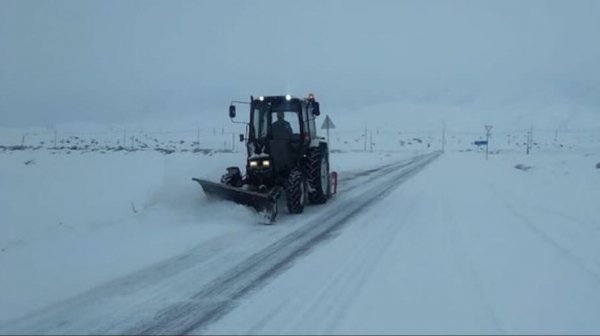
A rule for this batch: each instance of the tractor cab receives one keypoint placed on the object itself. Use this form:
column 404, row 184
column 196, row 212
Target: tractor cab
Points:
column 280, row 131
column 280, row 128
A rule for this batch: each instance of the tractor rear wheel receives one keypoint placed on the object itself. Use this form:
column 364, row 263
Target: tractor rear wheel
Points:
column 318, row 175
column 296, row 192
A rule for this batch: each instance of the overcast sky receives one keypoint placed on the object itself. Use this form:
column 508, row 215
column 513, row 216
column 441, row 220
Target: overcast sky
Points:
column 114, row 61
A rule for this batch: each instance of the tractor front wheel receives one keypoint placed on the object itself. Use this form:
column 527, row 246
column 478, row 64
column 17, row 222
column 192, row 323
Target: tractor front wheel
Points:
column 232, row 178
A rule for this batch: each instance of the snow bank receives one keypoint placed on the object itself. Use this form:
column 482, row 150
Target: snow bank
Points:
column 72, row 221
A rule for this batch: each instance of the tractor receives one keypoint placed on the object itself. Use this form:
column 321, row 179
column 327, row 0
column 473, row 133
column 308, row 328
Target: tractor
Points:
column 285, row 157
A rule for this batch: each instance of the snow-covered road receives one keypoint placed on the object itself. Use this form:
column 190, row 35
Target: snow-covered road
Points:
column 458, row 249
column 196, row 288
column 428, row 244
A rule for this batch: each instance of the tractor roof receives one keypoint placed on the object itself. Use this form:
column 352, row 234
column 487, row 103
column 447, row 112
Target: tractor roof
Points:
column 278, row 99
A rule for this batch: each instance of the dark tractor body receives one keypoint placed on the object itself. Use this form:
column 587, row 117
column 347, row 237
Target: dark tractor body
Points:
column 284, row 157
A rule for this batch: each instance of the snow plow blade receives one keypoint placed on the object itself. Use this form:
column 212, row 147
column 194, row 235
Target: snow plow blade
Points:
column 264, row 203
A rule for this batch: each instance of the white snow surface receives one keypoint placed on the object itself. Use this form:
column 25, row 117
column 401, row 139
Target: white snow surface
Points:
column 464, row 246
column 71, row 222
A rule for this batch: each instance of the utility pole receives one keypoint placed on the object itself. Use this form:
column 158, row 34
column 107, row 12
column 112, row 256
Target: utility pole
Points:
column 488, row 128
column 529, row 140
column 365, row 149
column 371, row 141
column 55, row 138
column 443, row 136
column 124, row 137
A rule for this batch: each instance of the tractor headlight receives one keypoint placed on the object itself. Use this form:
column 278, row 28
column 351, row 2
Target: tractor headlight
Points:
column 266, row 163
column 253, row 163
column 288, row 97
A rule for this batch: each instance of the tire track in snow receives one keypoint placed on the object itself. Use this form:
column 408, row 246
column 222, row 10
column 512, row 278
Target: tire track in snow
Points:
column 378, row 243
column 465, row 263
column 184, row 284
column 545, row 210
column 221, row 295
column 563, row 250
column 338, row 280
column 343, row 286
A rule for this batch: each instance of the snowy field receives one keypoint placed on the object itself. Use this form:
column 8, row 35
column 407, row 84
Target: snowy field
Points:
column 466, row 142
column 508, row 245
column 73, row 221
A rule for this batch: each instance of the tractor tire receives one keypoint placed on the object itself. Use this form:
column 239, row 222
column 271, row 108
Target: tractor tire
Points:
column 227, row 179
column 296, row 192
column 232, row 178
column 318, row 176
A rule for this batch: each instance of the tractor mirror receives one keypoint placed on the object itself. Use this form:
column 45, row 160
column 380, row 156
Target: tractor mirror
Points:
column 241, row 138
column 231, row 111
column 315, row 108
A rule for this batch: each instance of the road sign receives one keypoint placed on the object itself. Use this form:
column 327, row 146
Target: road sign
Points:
column 488, row 128
column 480, row 142
column 327, row 123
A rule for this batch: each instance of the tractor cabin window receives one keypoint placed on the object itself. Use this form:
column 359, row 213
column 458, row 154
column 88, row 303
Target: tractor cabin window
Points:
column 260, row 122
column 285, row 125
column 284, row 121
